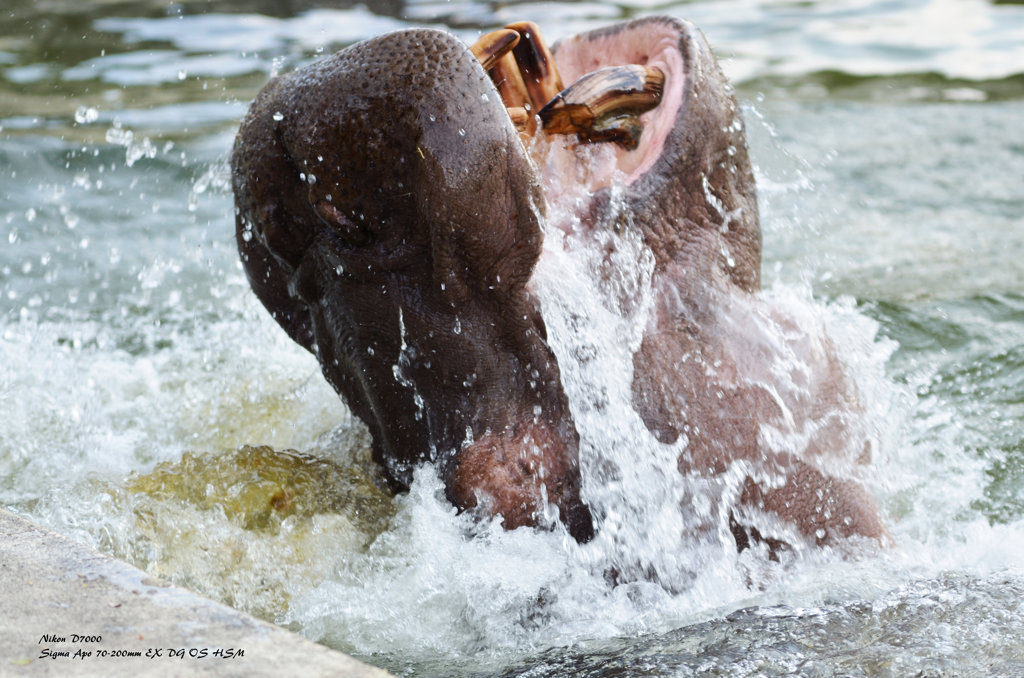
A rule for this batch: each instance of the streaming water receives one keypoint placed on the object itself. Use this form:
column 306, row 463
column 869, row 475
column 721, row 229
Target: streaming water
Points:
column 136, row 367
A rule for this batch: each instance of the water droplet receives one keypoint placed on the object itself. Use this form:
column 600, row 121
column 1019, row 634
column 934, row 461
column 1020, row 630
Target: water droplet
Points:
column 278, row 116
column 275, row 66
column 86, row 114
column 462, row 132
column 729, row 260
column 457, row 328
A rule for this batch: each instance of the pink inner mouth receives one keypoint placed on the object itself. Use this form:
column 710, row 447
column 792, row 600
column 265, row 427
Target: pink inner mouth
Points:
column 571, row 170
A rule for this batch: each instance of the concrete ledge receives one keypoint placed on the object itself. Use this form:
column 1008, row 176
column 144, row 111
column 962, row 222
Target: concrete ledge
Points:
column 66, row 610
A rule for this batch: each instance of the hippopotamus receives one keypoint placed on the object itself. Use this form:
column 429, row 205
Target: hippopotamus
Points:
column 391, row 202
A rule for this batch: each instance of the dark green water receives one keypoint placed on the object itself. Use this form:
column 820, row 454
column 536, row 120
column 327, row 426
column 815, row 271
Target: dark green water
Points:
column 889, row 147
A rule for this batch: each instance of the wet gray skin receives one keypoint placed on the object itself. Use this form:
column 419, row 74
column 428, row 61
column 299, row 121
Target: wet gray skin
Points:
column 401, row 260
column 390, row 220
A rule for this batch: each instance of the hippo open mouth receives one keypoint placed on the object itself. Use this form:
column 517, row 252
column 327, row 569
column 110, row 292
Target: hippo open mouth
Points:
column 390, row 203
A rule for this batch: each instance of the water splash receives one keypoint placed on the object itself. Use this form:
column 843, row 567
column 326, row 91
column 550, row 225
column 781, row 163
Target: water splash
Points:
column 85, row 115
column 216, row 177
column 135, row 149
column 595, row 324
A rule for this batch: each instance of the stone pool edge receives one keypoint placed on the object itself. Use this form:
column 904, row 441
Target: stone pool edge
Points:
column 110, row 618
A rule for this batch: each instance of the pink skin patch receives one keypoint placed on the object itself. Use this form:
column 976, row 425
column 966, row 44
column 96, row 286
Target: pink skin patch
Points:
column 571, row 169
column 510, row 473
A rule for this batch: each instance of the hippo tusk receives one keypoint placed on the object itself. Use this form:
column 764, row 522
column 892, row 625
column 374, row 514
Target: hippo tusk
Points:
column 536, row 63
column 605, row 105
column 512, row 90
column 491, row 47
column 520, row 118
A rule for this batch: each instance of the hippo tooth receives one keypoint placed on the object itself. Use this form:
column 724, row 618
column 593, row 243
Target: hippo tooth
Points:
column 605, row 105
column 509, row 82
column 520, row 118
column 536, row 63
column 491, row 47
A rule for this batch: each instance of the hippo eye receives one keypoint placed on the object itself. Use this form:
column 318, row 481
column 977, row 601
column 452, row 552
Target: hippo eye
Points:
column 352, row 232
column 366, row 244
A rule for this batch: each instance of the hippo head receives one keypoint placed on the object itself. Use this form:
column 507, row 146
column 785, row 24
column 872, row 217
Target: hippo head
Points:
column 390, row 216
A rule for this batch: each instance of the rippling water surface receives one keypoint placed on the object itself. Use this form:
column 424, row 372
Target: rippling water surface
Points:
column 147, row 399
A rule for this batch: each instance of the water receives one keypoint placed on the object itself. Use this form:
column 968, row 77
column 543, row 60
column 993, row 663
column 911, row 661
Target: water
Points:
column 135, row 365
